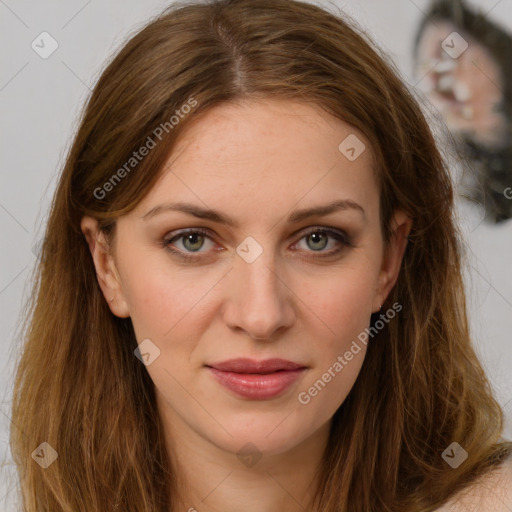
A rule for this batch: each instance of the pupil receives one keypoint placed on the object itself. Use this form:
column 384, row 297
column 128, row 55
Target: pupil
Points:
column 319, row 235
column 193, row 238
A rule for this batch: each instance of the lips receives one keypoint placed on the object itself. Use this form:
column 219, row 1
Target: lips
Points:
column 251, row 366
column 256, row 380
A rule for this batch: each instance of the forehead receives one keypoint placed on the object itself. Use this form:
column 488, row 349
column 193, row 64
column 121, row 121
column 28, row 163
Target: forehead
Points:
column 273, row 153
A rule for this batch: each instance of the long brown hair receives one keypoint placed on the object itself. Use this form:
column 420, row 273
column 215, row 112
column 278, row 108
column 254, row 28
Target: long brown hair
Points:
column 421, row 386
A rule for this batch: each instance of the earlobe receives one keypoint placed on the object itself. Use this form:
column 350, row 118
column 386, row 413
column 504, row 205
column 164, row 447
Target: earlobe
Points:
column 107, row 275
column 401, row 225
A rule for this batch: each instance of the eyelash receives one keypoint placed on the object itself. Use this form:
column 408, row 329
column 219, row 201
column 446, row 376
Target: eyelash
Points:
column 343, row 238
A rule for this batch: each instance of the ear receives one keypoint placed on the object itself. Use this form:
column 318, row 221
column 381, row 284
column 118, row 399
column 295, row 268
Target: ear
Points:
column 401, row 226
column 106, row 271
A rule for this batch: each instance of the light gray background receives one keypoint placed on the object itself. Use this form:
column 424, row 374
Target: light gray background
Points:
column 41, row 99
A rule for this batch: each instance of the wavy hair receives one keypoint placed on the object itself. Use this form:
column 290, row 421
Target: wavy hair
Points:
column 421, row 385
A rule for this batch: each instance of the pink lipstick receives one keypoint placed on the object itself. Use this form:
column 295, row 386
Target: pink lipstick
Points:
column 257, row 380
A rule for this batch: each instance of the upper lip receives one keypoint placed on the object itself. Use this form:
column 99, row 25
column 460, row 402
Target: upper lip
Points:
column 244, row 365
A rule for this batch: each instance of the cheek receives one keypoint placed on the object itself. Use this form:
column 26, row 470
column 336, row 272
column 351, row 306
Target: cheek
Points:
column 344, row 301
column 156, row 299
column 160, row 296
column 338, row 358
column 344, row 305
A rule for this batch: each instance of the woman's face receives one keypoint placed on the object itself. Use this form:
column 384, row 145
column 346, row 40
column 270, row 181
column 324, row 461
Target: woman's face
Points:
column 277, row 272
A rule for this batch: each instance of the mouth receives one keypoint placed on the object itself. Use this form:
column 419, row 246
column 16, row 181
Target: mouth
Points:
column 256, row 380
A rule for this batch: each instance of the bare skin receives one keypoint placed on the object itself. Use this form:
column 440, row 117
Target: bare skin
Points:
column 299, row 299
column 491, row 492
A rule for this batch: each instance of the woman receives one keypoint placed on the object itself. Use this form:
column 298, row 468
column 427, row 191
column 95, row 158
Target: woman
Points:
column 250, row 290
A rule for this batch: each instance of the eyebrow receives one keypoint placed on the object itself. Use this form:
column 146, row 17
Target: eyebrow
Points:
column 216, row 216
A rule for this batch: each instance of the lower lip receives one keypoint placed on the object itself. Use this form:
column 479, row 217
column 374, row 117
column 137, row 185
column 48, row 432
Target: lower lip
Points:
column 257, row 386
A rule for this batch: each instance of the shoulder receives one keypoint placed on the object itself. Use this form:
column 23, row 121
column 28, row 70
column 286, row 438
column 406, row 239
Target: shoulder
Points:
column 493, row 491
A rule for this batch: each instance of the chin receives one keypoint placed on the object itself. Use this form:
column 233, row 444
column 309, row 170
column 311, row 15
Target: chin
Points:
column 269, row 433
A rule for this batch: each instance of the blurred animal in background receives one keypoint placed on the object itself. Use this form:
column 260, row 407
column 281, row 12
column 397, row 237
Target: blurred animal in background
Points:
column 463, row 62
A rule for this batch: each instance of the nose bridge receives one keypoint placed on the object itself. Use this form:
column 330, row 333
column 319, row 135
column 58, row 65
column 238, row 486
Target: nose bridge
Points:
column 261, row 301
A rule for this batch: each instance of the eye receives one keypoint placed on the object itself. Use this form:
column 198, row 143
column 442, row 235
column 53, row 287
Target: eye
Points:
column 316, row 241
column 191, row 240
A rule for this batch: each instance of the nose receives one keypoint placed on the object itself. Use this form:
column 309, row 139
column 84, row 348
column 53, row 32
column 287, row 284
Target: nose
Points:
column 259, row 299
